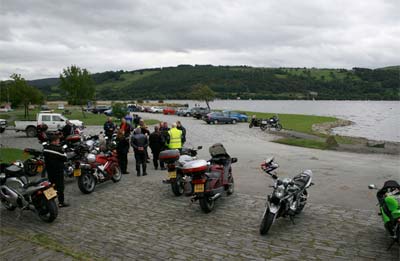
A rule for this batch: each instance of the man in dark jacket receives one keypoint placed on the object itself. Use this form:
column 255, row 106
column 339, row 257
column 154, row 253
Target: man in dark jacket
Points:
column 122, row 150
column 109, row 128
column 164, row 132
column 156, row 144
column 68, row 129
column 55, row 157
column 183, row 129
column 139, row 143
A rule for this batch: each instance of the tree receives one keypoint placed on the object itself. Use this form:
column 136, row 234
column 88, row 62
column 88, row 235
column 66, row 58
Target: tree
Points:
column 78, row 84
column 21, row 93
column 119, row 110
column 202, row 92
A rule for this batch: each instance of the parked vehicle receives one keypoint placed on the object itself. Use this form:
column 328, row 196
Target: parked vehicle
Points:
column 155, row 109
column 54, row 121
column 389, row 208
column 200, row 112
column 169, row 111
column 100, row 109
column 44, row 107
column 60, row 106
column 184, row 112
column 272, row 122
column 239, row 116
column 3, row 125
column 108, row 112
column 219, row 117
column 211, row 179
column 288, row 198
column 175, row 161
column 17, row 192
column 97, row 169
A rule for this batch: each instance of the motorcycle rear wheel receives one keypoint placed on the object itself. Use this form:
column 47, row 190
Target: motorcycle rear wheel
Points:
column 86, row 182
column 302, row 202
column 117, row 174
column 206, row 204
column 231, row 187
column 266, row 223
column 177, row 187
column 251, row 125
column 48, row 210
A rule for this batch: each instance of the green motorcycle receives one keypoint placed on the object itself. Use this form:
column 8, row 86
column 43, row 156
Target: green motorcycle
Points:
column 389, row 205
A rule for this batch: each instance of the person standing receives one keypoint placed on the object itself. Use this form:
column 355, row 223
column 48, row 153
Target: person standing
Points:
column 139, row 143
column 125, row 127
column 68, row 129
column 183, row 129
column 156, row 144
column 175, row 138
column 146, row 132
column 136, row 120
column 54, row 158
column 122, row 151
column 128, row 118
column 109, row 128
column 164, row 132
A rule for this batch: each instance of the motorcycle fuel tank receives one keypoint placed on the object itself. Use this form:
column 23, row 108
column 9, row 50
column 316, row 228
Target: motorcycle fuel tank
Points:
column 195, row 166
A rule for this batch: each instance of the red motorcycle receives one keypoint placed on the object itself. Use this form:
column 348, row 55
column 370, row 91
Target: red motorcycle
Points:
column 211, row 179
column 97, row 169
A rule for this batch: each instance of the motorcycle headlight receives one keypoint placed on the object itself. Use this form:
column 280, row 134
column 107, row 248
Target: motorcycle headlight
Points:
column 279, row 192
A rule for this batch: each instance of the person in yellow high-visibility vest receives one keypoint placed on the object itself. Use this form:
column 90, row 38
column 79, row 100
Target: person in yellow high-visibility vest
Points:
column 175, row 138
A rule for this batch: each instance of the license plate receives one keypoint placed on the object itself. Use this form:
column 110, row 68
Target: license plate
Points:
column 77, row 172
column 172, row 174
column 40, row 168
column 198, row 188
column 264, row 122
column 50, row 193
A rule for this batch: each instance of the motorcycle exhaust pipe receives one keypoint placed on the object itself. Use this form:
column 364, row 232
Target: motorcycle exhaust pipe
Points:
column 216, row 196
column 8, row 194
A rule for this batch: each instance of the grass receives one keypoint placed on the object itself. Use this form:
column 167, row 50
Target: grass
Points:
column 8, row 155
column 303, row 143
column 45, row 241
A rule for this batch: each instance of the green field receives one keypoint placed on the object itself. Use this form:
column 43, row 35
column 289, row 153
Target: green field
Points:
column 8, row 155
column 303, row 143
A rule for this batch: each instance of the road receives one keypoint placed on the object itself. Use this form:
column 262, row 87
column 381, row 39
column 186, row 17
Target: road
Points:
column 139, row 218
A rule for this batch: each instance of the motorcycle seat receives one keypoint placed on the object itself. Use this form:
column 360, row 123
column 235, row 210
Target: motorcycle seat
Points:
column 301, row 180
column 214, row 174
column 34, row 183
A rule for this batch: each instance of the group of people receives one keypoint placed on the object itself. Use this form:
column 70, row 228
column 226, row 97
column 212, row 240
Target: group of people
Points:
column 141, row 139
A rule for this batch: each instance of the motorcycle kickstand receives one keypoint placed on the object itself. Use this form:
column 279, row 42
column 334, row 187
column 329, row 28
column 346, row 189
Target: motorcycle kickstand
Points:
column 292, row 219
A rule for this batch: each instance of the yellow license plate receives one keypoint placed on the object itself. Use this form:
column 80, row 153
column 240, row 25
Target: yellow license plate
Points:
column 40, row 168
column 50, row 193
column 198, row 188
column 172, row 174
column 77, row 172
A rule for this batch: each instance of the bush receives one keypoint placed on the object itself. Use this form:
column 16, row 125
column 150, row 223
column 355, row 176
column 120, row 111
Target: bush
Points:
column 119, row 110
column 331, row 142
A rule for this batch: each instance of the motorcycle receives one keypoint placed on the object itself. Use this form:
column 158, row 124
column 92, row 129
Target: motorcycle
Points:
column 97, row 169
column 17, row 191
column 389, row 208
column 288, row 198
column 35, row 164
column 175, row 161
column 272, row 122
column 209, row 180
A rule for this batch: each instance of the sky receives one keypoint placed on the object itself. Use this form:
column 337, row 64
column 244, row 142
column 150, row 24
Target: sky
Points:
column 40, row 38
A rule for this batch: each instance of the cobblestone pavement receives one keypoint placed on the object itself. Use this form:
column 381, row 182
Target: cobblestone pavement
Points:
column 139, row 218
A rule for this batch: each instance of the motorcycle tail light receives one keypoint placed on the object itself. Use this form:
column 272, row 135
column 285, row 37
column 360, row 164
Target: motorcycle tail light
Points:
column 199, row 181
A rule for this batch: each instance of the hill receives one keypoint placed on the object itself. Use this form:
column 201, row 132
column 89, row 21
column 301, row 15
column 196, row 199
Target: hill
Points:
column 241, row 81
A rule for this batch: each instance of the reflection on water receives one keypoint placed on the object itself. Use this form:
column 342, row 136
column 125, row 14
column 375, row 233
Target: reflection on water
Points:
column 378, row 120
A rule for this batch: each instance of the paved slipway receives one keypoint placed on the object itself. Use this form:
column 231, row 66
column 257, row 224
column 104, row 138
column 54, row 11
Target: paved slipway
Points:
column 139, row 218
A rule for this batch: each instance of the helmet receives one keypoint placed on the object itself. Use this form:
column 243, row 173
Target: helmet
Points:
column 91, row 158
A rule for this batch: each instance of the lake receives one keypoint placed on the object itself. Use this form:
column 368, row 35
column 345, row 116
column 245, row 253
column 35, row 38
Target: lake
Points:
column 378, row 120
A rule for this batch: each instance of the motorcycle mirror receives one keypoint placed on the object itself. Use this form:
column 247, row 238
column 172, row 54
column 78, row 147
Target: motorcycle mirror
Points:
column 199, row 147
column 65, row 146
column 233, row 160
column 372, row 186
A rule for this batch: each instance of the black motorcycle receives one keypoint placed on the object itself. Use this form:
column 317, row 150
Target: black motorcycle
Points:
column 288, row 198
column 272, row 122
column 16, row 191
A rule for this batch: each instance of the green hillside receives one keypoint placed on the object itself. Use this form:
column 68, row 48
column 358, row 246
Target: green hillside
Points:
column 241, row 81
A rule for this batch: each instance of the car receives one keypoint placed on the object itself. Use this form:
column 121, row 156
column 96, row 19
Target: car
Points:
column 218, row 117
column 60, row 106
column 184, row 112
column 108, row 112
column 5, row 109
column 100, row 109
column 239, row 116
column 200, row 112
column 155, row 109
column 44, row 107
column 3, row 125
column 169, row 111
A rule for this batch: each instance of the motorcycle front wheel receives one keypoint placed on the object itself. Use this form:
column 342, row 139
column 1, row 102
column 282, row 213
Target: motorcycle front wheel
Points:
column 266, row 223
column 206, row 204
column 177, row 187
column 278, row 127
column 86, row 182
column 263, row 127
column 251, row 125
column 48, row 210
